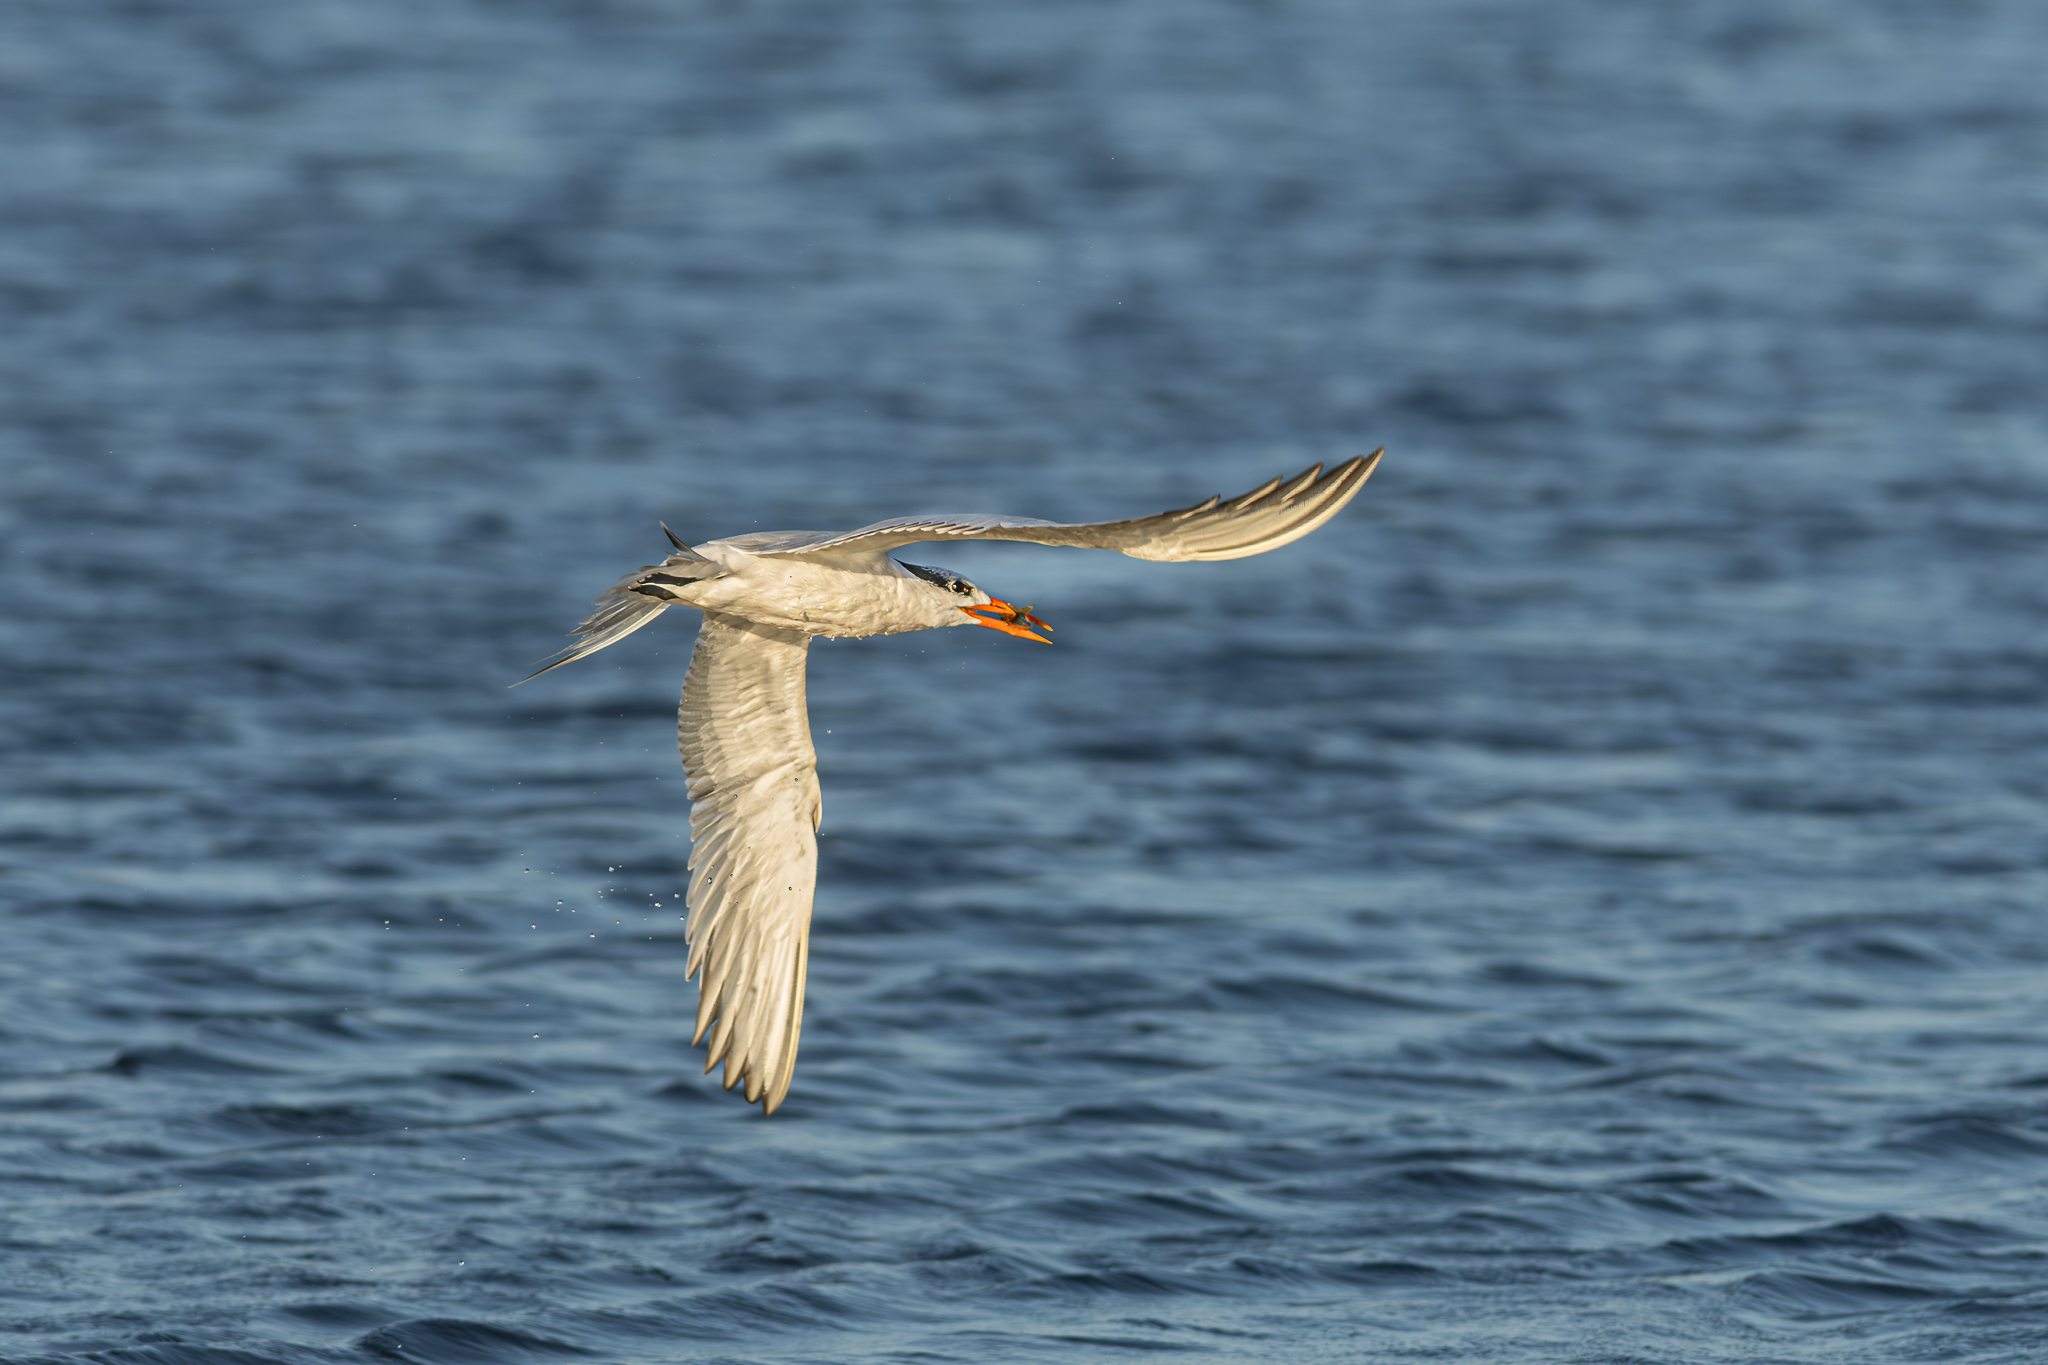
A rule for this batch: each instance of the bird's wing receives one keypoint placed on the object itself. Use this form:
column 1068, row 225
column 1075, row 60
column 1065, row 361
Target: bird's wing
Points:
column 746, row 743
column 1264, row 519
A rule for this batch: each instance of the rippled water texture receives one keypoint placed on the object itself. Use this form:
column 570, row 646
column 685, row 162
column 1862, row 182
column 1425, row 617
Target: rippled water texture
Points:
column 1585, row 904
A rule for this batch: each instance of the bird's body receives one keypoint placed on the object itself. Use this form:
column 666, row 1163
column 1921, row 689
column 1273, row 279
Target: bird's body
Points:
column 841, row 597
column 745, row 734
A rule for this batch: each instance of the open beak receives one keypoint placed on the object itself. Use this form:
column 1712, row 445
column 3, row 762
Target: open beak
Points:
column 1000, row 615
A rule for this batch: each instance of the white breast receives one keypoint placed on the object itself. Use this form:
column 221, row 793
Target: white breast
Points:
column 817, row 599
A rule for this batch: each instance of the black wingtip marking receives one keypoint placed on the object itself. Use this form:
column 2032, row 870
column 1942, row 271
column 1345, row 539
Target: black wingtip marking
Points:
column 674, row 539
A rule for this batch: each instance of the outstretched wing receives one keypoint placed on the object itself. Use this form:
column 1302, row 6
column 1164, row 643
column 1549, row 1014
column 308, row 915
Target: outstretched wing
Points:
column 746, row 742
column 1264, row 519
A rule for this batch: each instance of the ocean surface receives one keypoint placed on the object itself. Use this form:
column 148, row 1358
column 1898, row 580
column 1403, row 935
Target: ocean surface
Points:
column 1588, row 903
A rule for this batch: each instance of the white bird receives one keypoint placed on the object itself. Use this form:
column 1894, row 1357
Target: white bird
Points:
column 745, row 733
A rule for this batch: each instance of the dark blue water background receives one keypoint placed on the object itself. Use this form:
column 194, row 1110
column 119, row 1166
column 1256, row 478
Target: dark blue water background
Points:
column 1584, row 905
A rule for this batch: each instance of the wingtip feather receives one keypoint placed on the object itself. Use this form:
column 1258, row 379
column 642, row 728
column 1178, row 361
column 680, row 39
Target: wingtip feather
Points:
column 1240, row 503
column 1302, row 480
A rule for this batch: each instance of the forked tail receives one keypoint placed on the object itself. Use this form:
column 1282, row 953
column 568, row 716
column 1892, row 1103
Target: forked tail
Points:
column 635, row 600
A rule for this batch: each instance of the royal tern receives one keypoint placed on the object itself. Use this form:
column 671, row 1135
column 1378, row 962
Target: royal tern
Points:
column 745, row 733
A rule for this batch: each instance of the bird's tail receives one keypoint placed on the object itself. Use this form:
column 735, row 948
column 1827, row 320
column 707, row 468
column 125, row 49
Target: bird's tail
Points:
column 635, row 600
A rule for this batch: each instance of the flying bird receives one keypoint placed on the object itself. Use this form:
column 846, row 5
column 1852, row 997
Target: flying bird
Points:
column 745, row 732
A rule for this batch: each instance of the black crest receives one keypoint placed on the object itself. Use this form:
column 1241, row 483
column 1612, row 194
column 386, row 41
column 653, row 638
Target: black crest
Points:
column 945, row 578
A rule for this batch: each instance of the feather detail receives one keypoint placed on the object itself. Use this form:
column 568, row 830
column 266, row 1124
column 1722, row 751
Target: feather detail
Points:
column 746, row 744
column 626, row 606
column 1266, row 518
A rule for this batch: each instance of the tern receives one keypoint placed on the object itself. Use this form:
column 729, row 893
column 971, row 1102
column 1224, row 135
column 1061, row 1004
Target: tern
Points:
column 745, row 732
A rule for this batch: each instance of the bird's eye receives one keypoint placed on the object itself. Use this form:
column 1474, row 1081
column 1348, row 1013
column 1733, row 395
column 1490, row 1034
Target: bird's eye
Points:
column 962, row 586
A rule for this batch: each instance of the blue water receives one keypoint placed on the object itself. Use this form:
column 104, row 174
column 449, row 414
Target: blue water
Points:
column 1586, row 904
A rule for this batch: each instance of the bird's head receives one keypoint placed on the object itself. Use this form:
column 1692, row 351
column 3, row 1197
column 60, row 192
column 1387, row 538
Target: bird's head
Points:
column 952, row 593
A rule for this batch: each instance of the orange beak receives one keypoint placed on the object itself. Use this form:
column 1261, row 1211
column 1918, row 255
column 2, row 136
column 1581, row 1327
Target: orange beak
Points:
column 1000, row 615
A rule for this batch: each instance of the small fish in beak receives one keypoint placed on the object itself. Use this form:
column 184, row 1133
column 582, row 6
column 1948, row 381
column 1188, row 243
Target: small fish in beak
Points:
column 1000, row 615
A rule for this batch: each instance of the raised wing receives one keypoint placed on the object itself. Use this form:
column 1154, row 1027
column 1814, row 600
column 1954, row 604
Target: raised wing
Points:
column 1264, row 519
column 746, row 742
